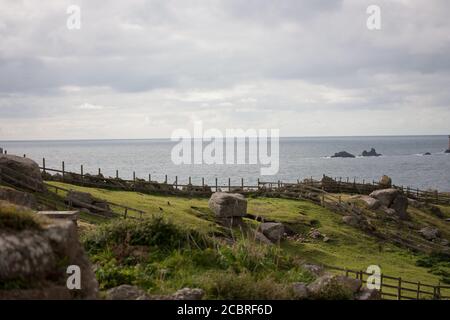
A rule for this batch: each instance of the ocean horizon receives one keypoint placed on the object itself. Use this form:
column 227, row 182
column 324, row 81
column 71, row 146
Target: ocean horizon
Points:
column 402, row 159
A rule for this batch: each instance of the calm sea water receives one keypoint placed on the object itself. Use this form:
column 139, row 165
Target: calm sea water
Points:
column 299, row 158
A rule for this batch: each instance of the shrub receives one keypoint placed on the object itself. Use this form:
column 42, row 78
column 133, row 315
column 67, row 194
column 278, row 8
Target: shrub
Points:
column 18, row 218
column 110, row 275
column 243, row 286
column 155, row 231
column 245, row 255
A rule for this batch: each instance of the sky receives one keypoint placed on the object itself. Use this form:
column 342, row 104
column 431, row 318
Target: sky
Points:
column 142, row 69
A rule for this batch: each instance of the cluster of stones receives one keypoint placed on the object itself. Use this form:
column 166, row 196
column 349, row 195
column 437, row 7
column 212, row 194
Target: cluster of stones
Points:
column 345, row 154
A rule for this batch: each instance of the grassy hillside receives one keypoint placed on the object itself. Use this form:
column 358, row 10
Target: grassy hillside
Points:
column 348, row 247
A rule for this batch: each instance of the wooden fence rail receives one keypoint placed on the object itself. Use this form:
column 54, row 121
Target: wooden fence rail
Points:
column 331, row 185
column 399, row 288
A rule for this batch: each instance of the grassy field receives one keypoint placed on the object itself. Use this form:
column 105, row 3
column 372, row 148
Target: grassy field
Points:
column 348, row 247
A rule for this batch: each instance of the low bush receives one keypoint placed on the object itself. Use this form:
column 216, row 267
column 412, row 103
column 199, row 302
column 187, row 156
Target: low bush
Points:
column 155, row 231
column 18, row 218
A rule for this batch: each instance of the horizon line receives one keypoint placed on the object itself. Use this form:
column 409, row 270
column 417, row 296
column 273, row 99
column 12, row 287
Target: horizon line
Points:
column 281, row 137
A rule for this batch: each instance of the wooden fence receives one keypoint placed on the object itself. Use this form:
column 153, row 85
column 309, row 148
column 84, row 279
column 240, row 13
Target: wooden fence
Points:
column 331, row 185
column 14, row 178
column 398, row 288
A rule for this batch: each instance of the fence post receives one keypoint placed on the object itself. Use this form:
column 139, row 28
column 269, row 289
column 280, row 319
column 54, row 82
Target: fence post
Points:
column 190, row 180
column 242, row 183
column 82, row 173
column 258, row 184
column 165, row 179
column 399, row 289
column 43, row 164
column 229, row 184
column 381, row 286
column 117, row 174
column 134, row 176
column 216, row 185
column 149, row 177
column 418, row 290
column 99, row 171
column 63, row 169
column 203, row 182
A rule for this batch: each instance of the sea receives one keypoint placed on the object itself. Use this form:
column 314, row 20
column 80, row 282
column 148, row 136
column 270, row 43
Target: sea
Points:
column 402, row 159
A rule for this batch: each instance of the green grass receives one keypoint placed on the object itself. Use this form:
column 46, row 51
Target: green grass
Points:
column 18, row 218
column 349, row 247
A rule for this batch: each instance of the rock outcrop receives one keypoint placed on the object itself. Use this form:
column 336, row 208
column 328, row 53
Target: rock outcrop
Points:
column 226, row 205
column 229, row 208
column 274, row 231
column 35, row 254
column 18, row 197
column 85, row 200
column 392, row 201
column 343, row 154
column 21, row 172
column 371, row 153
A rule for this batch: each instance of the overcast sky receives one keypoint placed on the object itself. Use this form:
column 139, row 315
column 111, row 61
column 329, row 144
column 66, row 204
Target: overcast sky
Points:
column 141, row 69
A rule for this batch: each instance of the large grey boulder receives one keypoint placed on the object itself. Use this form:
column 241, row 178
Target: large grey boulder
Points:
column 42, row 254
column 21, row 172
column 385, row 196
column 18, row 197
column 126, row 292
column 274, row 231
column 226, row 205
column 393, row 201
column 25, row 254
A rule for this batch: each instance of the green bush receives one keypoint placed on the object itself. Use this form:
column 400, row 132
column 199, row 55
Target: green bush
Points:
column 18, row 218
column 246, row 255
column 243, row 286
column 438, row 264
column 155, row 231
column 110, row 275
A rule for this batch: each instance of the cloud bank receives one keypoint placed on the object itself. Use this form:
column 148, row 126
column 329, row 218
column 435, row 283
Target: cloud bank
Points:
column 140, row 69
